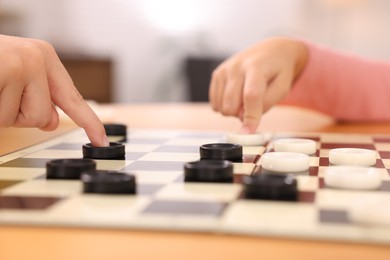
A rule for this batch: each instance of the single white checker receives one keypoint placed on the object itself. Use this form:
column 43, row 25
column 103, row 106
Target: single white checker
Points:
column 370, row 211
column 352, row 177
column 352, row 156
column 20, row 173
column 285, row 162
column 170, row 157
column 55, row 154
column 255, row 139
column 200, row 192
column 45, row 188
column 296, row 145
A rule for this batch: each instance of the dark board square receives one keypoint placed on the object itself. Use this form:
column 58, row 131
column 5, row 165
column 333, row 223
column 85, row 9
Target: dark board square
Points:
column 306, row 196
column 27, row 202
column 384, row 154
column 385, row 186
column 148, row 189
column 26, row 163
column 186, row 207
column 134, row 156
column 347, row 145
column 333, row 216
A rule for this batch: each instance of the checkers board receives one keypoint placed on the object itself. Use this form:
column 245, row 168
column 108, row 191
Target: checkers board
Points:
column 165, row 202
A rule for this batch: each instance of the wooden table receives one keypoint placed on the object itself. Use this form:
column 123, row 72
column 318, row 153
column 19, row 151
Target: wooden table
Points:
column 19, row 242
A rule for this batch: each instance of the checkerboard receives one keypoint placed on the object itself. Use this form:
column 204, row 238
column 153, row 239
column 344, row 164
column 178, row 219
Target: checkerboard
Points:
column 165, row 202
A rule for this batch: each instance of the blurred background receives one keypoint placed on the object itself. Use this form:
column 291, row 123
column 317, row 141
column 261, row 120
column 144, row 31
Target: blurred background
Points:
column 132, row 51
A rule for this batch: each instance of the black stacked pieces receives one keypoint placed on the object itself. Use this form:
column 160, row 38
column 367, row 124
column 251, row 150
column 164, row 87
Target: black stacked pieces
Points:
column 215, row 164
column 116, row 131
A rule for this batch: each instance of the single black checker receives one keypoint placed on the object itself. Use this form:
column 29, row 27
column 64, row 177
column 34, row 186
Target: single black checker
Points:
column 177, row 149
column 333, row 216
column 154, row 166
column 27, row 202
column 185, row 207
column 26, row 163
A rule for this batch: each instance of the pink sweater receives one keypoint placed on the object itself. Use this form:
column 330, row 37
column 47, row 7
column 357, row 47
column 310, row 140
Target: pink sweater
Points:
column 346, row 87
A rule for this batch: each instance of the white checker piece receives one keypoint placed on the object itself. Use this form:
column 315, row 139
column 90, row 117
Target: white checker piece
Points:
column 352, row 177
column 352, row 156
column 296, row 145
column 285, row 162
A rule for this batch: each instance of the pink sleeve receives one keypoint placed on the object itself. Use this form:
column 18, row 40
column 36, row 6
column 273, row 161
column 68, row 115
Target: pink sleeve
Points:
column 343, row 86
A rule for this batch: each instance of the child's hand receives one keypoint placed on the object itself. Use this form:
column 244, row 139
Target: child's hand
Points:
column 32, row 81
column 251, row 82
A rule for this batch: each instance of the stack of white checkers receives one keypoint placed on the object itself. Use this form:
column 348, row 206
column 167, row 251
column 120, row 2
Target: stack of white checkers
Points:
column 349, row 169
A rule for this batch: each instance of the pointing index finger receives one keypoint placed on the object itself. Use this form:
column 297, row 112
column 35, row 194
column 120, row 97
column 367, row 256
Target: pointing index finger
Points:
column 65, row 95
column 253, row 94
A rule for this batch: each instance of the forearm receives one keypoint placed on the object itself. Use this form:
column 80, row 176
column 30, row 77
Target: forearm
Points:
column 343, row 86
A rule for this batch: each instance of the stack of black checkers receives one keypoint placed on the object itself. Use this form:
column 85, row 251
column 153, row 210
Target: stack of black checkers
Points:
column 221, row 151
column 108, row 182
column 271, row 187
column 218, row 171
column 118, row 131
column 116, row 151
column 68, row 169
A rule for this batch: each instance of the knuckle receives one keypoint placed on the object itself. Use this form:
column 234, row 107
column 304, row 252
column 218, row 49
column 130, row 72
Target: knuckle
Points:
column 251, row 94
